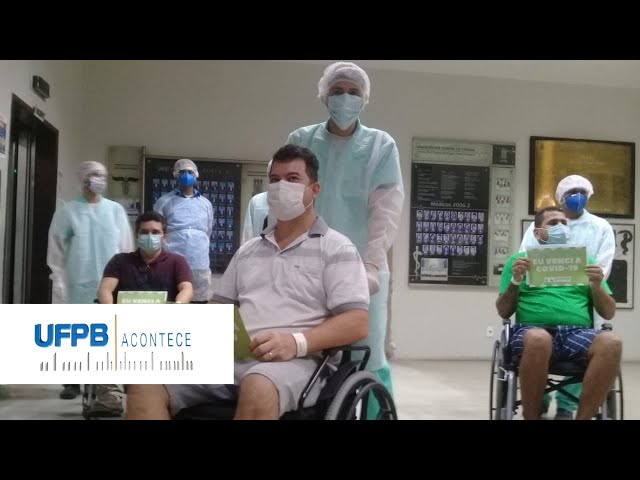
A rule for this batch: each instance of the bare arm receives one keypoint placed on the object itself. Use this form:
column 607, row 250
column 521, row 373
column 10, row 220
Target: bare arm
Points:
column 185, row 292
column 106, row 289
column 506, row 302
column 345, row 328
column 604, row 303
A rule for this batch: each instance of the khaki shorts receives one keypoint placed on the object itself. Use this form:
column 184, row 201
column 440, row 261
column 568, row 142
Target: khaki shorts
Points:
column 290, row 378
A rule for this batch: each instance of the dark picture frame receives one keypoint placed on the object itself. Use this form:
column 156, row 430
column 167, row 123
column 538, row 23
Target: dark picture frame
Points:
column 608, row 165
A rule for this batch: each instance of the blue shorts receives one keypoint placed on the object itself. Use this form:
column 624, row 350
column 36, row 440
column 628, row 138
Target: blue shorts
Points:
column 569, row 344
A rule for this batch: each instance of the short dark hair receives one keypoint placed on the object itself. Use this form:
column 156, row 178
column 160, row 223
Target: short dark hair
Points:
column 151, row 216
column 293, row 152
column 541, row 214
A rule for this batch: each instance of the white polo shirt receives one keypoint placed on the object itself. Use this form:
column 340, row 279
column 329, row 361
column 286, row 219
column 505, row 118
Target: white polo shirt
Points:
column 320, row 274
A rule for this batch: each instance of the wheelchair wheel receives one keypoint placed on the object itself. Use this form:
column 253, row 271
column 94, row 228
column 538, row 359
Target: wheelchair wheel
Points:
column 497, row 386
column 351, row 399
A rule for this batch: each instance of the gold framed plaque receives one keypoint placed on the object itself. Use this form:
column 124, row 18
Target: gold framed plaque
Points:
column 609, row 166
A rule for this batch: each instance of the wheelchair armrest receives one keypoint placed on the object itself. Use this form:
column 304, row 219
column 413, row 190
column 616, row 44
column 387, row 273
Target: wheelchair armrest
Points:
column 346, row 353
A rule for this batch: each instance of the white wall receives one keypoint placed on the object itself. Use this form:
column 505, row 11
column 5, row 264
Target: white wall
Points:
column 244, row 110
column 64, row 110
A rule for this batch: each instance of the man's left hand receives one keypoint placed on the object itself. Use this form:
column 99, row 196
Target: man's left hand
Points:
column 273, row 347
column 594, row 274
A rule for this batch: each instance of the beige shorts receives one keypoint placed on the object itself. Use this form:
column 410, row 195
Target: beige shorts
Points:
column 290, row 378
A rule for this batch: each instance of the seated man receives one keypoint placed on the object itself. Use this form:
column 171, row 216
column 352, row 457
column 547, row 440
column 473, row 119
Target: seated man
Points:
column 149, row 268
column 301, row 288
column 556, row 323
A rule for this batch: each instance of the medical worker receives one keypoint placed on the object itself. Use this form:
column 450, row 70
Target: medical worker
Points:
column 190, row 222
column 84, row 234
column 362, row 190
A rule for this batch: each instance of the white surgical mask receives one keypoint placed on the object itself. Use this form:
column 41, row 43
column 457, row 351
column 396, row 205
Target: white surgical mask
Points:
column 286, row 200
column 97, row 185
column 344, row 109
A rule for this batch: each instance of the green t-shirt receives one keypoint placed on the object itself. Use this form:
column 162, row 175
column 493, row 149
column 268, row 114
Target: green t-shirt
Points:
column 551, row 306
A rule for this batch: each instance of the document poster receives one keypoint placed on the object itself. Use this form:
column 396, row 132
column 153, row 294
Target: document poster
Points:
column 449, row 219
column 556, row 266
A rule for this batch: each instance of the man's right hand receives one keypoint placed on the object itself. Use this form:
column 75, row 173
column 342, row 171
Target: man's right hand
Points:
column 594, row 274
column 519, row 269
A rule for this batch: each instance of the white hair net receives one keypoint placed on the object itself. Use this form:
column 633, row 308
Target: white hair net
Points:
column 570, row 182
column 184, row 164
column 344, row 71
column 89, row 168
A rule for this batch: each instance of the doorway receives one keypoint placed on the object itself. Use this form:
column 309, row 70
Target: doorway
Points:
column 32, row 170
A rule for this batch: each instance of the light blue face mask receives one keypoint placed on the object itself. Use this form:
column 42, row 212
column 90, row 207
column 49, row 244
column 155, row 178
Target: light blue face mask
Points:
column 558, row 234
column 344, row 109
column 149, row 242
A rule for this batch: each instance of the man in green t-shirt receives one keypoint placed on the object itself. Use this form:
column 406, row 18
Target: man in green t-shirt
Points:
column 557, row 323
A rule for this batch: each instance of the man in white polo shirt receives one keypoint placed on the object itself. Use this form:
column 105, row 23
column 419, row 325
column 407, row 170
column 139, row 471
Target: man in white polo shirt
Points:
column 301, row 288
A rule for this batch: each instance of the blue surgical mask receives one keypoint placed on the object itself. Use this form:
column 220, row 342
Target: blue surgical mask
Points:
column 149, row 242
column 186, row 179
column 344, row 109
column 576, row 202
column 558, row 235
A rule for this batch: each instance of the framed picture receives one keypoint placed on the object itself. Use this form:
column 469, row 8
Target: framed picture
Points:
column 609, row 166
column 525, row 227
column 621, row 278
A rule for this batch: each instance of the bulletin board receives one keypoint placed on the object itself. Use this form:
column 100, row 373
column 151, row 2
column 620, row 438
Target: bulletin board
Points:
column 461, row 211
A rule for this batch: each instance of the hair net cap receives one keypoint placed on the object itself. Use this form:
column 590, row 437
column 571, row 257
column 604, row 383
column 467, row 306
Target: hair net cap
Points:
column 571, row 182
column 184, row 164
column 344, row 71
column 91, row 168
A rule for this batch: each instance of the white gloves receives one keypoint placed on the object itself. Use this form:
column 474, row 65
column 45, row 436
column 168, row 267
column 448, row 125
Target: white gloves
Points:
column 372, row 278
column 58, row 290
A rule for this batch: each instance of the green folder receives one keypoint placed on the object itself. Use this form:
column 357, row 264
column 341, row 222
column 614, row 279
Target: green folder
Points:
column 557, row 266
column 142, row 297
column 241, row 337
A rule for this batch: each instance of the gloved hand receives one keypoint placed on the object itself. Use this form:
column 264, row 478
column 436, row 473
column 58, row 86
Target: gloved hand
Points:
column 372, row 278
column 58, row 291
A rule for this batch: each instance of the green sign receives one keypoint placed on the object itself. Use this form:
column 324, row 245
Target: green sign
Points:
column 142, row 297
column 241, row 337
column 557, row 266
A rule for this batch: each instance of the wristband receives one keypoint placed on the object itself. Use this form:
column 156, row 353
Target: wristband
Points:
column 301, row 344
column 514, row 282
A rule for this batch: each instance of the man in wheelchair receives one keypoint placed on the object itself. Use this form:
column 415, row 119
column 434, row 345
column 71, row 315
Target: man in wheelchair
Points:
column 555, row 324
column 301, row 288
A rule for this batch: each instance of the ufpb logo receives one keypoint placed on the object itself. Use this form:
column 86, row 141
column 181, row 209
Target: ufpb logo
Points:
column 120, row 344
column 55, row 334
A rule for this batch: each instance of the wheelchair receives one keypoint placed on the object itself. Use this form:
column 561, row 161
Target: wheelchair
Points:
column 503, row 393
column 345, row 396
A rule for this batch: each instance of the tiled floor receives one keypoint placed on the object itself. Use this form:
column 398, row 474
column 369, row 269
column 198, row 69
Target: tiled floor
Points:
column 424, row 390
